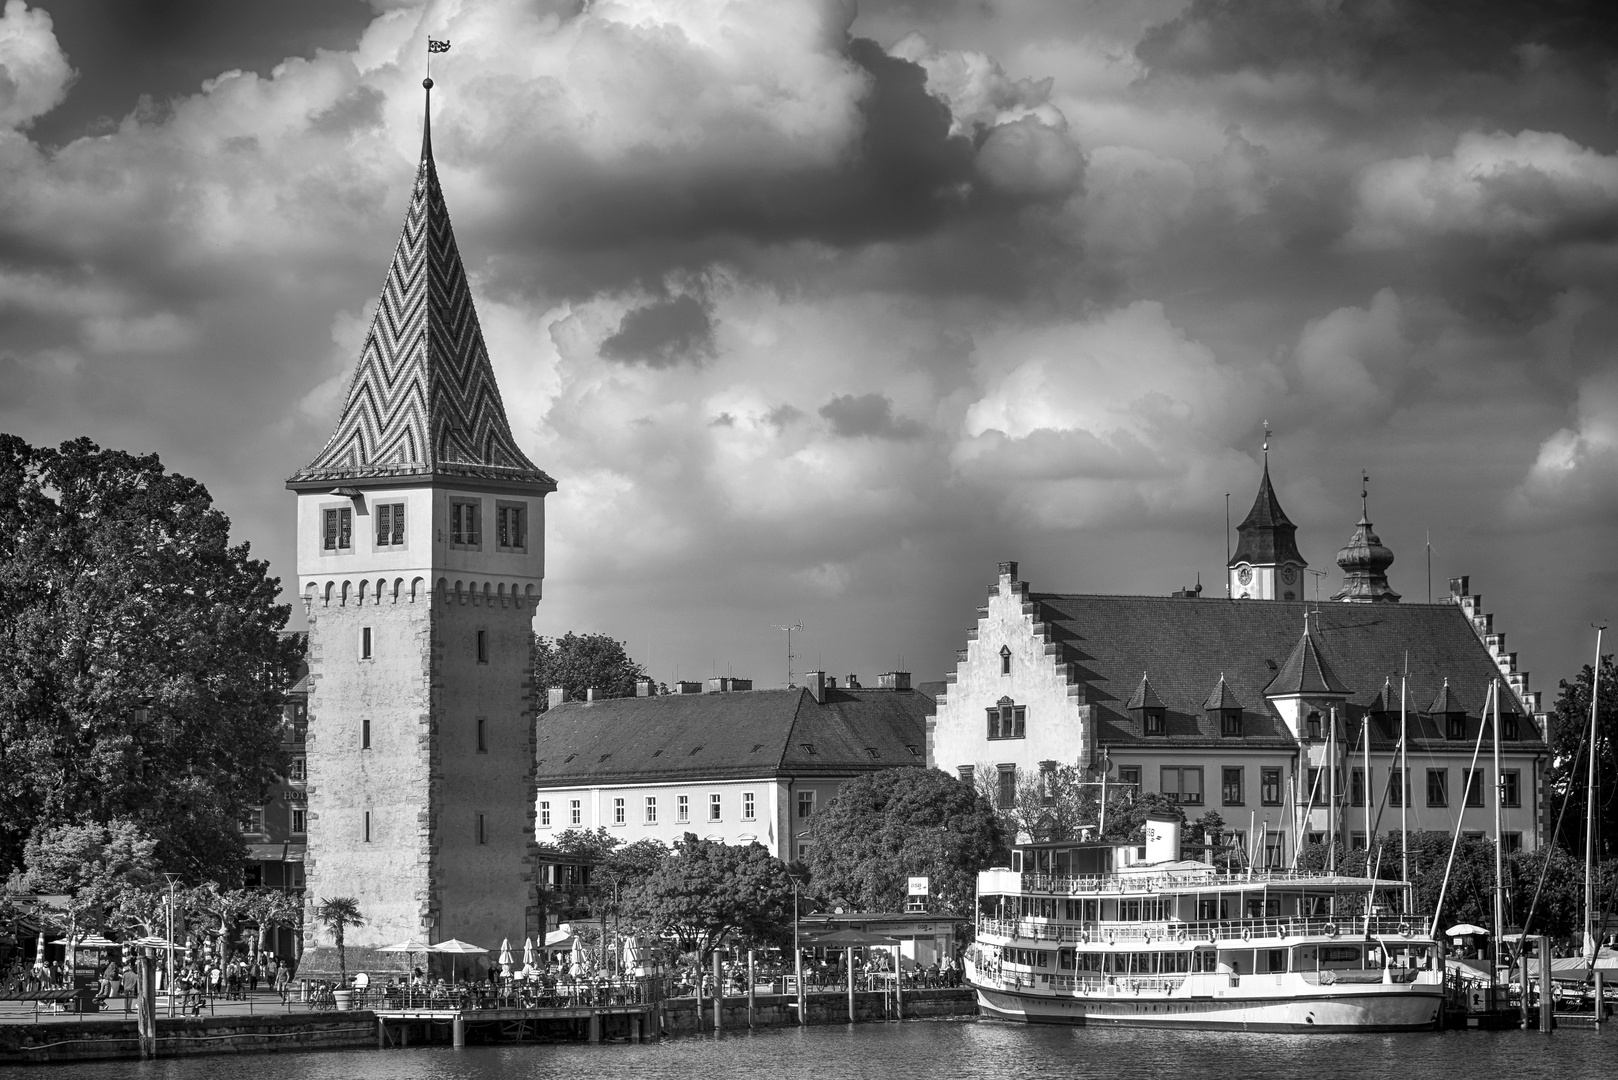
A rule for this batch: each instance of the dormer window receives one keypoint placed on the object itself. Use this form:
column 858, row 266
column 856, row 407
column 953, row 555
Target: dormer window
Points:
column 1007, row 720
column 1508, row 726
column 1154, row 721
column 1225, row 709
column 1005, row 660
column 1454, row 725
column 1230, row 723
column 1148, row 709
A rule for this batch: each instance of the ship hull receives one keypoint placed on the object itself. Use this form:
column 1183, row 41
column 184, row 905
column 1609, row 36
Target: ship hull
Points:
column 1404, row 1009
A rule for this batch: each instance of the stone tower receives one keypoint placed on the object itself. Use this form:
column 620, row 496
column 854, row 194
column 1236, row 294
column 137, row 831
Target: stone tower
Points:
column 421, row 554
column 1266, row 564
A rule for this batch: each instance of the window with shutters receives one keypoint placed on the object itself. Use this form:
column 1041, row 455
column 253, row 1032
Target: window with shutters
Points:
column 510, row 527
column 337, row 530
column 390, row 524
column 466, row 523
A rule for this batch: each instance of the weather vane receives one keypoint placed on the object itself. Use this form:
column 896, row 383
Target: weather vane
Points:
column 434, row 46
column 1266, row 438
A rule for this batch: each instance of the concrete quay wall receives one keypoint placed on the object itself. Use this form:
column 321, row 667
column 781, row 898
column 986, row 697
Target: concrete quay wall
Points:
column 96, row 1040
column 778, row 1010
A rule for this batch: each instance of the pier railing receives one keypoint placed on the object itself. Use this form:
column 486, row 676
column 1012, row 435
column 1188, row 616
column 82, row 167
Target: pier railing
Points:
column 1152, row 933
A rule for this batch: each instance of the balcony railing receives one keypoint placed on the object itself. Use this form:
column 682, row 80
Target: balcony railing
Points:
column 1062, row 885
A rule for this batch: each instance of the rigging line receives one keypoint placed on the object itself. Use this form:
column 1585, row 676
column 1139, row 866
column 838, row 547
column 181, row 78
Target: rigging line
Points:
column 1443, row 889
column 1567, row 794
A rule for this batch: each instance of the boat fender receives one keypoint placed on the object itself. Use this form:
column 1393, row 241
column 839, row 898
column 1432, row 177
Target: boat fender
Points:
column 1180, row 937
column 1112, row 939
column 1084, row 937
column 1404, row 929
column 1327, row 978
column 1331, row 930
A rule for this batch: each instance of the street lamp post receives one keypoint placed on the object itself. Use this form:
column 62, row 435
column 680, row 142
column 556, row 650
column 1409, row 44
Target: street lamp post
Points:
column 169, row 979
column 797, row 953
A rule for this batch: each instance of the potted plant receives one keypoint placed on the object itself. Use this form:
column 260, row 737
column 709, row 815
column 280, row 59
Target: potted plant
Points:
column 337, row 914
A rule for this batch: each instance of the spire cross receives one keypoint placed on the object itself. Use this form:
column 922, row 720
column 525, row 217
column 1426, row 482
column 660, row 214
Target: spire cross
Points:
column 1266, row 439
column 1365, row 494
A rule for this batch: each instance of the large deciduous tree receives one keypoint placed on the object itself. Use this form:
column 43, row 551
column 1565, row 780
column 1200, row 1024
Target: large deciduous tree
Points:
column 581, row 662
column 707, row 895
column 886, row 827
column 1567, row 776
column 142, row 668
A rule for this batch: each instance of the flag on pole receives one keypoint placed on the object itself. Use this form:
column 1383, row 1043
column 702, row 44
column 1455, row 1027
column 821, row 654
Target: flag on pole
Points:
column 437, row 46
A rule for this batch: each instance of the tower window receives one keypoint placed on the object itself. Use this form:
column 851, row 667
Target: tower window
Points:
column 367, row 826
column 575, row 813
column 483, row 646
column 365, row 643
column 510, row 527
column 390, row 521
column 338, row 534
column 483, row 734
column 1314, row 725
column 365, row 733
column 466, row 523
column 483, row 829
column 1005, row 660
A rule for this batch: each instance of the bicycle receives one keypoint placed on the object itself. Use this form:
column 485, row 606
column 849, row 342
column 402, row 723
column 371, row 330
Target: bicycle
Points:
column 322, row 999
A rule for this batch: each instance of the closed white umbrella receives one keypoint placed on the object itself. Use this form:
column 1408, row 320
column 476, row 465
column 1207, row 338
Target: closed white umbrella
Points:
column 506, row 963
column 528, row 953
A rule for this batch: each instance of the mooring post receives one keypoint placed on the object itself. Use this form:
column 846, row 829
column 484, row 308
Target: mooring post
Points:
column 718, row 992
column 1601, row 999
column 146, row 1019
column 1547, row 1014
column 595, row 1026
column 458, row 1030
column 381, row 1034
column 851, row 984
column 899, row 981
column 751, row 983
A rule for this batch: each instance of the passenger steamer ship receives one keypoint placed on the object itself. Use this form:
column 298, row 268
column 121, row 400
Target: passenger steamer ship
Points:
column 1071, row 935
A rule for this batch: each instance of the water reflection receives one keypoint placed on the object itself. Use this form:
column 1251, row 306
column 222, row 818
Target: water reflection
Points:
column 924, row 1050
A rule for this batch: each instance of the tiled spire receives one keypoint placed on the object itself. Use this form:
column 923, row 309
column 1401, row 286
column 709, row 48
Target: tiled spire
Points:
column 1266, row 535
column 423, row 402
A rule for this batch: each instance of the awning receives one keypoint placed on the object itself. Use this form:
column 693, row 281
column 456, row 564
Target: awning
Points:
column 283, row 853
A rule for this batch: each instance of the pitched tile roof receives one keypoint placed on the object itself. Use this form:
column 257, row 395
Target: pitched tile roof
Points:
column 1221, row 698
column 1447, row 701
column 752, row 733
column 1187, row 644
column 1144, row 696
column 423, row 401
column 1306, row 671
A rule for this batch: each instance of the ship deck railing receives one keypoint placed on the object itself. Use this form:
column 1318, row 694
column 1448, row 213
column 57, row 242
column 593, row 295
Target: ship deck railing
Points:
column 1188, row 880
column 1172, row 932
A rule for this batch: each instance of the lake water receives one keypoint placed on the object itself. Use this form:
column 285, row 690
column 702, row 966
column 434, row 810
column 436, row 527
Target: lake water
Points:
column 923, row 1050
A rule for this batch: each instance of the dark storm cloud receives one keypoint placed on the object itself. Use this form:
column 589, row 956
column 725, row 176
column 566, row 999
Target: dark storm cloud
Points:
column 662, row 334
column 126, row 49
column 867, row 416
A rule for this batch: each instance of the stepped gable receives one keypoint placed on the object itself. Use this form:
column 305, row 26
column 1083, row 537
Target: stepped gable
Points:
column 1188, row 644
column 1222, row 697
column 1266, row 536
column 423, row 401
column 1306, row 671
column 738, row 734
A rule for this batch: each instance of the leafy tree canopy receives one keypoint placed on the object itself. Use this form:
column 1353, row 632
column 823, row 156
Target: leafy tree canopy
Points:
column 885, row 827
column 142, row 671
column 91, row 864
column 581, row 662
column 707, row 895
column 1568, row 771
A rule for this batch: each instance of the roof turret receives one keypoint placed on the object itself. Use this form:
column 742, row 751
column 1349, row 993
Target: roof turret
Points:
column 1365, row 562
column 1306, row 672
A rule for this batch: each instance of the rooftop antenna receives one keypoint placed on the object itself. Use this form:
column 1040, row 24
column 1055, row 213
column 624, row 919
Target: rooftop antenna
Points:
column 1429, row 566
column 1227, row 545
column 798, row 627
column 1318, row 575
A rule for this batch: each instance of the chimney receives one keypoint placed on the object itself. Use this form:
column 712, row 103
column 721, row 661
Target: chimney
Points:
column 893, row 680
column 852, row 683
column 815, row 682
column 685, row 686
column 593, row 694
column 1008, row 573
column 741, row 684
column 645, row 688
column 557, row 696
column 831, row 682
column 1162, row 838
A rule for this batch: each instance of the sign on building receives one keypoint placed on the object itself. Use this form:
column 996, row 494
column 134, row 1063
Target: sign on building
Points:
column 918, row 886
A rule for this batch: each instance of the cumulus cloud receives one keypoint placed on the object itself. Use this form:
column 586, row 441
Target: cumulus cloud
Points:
column 867, row 416
column 1575, row 476
column 34, row 74
column 1350, row 362
column 662, row 333
column 1530, row 186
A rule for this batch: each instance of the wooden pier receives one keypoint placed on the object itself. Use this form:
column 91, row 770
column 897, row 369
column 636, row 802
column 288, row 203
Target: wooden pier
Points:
column 399, row 1027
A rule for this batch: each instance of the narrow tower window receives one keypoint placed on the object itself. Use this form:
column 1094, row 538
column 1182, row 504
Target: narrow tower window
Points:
column 365, row 643
column 510, row 527
column 465, row 523
column 483, row 646
column 483, row 734
column 483, row 829
column 1005, row 660
column 365, row 733
column 367, row 826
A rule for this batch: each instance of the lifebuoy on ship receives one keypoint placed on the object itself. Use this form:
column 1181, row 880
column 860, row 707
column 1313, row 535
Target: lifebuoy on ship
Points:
column 1180, row 937
column 1404, row 929
column 1331, row 930
column 1247, row 934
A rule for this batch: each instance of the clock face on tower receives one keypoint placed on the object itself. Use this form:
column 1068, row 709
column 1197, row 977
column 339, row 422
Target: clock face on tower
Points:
column 1244, row 574
column 1289, row 574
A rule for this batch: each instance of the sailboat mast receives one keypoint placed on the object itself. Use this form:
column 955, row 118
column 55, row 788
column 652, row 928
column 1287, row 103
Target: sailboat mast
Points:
column 1404, row 789
column 1331, row 792
column 1365, row 787
column 1499, row 858
column 1590, row 812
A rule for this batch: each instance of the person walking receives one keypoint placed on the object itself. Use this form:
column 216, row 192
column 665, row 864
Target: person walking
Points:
column 131, row 983
column 283, row 979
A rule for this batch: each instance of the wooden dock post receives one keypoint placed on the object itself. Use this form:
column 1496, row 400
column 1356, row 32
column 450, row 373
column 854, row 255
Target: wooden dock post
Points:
column 1601, row 997
column 381, row 1034
column 718, row 992
column 851, row 984
column 752, row 983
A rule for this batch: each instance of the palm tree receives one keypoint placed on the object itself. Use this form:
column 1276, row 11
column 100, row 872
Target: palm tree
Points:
column 337, row 914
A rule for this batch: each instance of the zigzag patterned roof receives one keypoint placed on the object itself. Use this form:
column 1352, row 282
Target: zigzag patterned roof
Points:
column 423, row 400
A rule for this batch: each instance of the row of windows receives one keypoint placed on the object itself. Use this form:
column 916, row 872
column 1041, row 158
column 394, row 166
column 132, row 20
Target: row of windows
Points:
column 1183, row 783
column 253, row 821
column 480, row 644
column 480, row 731
column 465, row 526
column 682, row 809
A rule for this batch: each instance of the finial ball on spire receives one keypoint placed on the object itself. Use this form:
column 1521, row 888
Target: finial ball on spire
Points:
column 427, row 83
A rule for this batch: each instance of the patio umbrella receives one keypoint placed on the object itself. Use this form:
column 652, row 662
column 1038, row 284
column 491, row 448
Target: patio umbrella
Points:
column 1463, row 929
column 506, row 963
column 844, row 939
column 632, row 956
column 577, row 956
column 456, row 947
column 528, row 953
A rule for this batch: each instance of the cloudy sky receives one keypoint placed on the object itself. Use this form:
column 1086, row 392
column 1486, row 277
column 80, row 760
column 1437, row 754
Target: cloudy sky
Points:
column 818, row 311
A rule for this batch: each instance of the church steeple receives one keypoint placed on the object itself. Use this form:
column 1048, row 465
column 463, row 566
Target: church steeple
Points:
column 1365, row 561
column 423, row 403
column 1266, row 564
